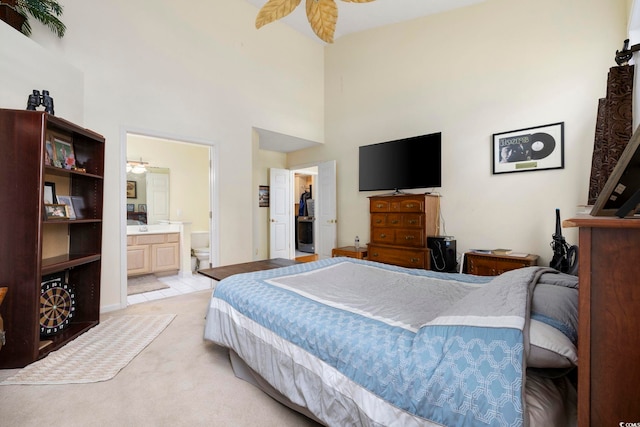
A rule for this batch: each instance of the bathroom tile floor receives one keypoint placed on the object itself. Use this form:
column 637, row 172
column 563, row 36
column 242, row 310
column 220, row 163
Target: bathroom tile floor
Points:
column 177, row 286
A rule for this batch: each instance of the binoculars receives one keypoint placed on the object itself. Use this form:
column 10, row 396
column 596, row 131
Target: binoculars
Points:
column 35, row 99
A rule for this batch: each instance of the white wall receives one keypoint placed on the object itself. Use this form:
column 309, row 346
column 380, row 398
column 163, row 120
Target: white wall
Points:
column 497, row 66
column 25, row 66
column 201, row 72
column 263, row 162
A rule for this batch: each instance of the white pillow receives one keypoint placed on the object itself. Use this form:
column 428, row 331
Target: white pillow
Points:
column 550, row 348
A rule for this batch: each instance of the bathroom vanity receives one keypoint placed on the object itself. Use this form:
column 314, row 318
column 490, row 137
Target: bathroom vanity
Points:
column 153, row 252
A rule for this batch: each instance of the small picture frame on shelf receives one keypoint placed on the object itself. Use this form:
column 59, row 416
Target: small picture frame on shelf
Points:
column 142, row 207
column 78, row 206
column 131, row 207
column 66, row 200
column 55, row 211
column 132, row 192
column 64, row 156
column 50, row 193
column 48, row 153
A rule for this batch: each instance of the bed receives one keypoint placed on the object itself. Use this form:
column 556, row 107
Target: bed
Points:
column 354, row 342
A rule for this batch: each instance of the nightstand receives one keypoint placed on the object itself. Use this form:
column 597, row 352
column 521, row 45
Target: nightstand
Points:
column 350, row 251
column 493, row 265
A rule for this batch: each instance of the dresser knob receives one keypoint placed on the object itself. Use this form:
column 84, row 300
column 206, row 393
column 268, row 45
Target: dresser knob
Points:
column 374, row 254
column 414, row 260
column 409, row 237
column 382, row 236
column 395, row 221
column 412, row 221
column 379, row 205
column 410, row 205
column 378, row 221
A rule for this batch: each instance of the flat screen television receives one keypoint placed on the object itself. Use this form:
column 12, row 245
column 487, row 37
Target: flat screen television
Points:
column 401, row 164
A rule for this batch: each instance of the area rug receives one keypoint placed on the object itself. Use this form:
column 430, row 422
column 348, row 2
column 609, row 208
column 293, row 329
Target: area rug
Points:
column 142, row 284
column 98, row 354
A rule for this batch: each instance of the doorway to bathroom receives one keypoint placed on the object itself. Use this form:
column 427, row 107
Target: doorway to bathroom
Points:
column 170, row 187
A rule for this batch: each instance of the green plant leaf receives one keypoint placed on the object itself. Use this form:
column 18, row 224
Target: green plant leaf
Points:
column 45, row 11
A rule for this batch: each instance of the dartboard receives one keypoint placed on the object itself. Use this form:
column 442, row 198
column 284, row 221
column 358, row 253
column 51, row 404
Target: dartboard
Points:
column 57, row 306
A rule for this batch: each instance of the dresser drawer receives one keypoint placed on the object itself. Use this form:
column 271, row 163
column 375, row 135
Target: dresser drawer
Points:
column 379, row 220
column 383, row 235
column 408, row 205
column 413, row 220
column 412, row 258
column 379, row 205
column 409, row 237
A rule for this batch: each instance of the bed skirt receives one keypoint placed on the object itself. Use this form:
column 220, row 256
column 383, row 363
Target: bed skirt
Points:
column 546, row 399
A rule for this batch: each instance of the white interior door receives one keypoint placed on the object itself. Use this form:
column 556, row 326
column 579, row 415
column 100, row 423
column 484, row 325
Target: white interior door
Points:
column 326, row 211
column 157, row 197
column 280, row 213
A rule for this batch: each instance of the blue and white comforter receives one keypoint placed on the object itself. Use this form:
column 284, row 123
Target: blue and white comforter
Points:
column 362, row 343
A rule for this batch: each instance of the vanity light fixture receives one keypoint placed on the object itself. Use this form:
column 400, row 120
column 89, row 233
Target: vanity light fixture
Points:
column 136, row 167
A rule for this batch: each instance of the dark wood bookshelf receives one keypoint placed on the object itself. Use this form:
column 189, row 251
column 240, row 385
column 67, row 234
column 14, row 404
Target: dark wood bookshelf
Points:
column 34, row 248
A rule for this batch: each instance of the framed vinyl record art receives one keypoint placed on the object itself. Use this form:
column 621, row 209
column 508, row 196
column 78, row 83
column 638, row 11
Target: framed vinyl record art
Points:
column 529, row 149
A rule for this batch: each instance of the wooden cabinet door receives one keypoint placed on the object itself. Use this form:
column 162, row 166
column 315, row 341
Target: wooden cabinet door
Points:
column 138, row 260
column 165, row 257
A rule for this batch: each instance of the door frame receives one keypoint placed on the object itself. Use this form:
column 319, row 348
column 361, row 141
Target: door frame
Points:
column 316, row 230
column 214, row 214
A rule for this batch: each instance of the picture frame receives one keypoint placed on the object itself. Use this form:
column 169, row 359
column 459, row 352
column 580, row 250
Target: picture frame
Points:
column 66, row 200
column 49, row 155
column 263, row 196
column 620, row 195
column 529, row 149
column 142, row 207
column 131, row 207
column 63, row 154
column 49, row 193
column 78, row 207
column 132, row 190
column 55, row 211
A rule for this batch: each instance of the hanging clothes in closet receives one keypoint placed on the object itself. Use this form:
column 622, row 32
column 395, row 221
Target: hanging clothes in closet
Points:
column 303, row 209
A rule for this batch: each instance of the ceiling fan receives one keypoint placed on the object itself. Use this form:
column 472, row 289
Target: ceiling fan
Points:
column 322, row 14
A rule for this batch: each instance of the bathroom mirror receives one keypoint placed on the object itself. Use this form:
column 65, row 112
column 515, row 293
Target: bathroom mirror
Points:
column 148, row 196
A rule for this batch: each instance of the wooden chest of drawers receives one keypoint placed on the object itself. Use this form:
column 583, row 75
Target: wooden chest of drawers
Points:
column 400, row 225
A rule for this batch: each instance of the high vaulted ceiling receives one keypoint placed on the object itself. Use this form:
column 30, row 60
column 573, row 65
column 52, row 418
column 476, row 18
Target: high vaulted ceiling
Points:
column 355, row 17
column 352, row 18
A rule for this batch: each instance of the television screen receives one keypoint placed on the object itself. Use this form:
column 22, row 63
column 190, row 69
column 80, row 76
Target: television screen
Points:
column 402, row 164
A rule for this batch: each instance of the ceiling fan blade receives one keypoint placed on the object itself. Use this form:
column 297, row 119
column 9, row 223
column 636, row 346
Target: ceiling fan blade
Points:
column 322, row 15
column 274, row 10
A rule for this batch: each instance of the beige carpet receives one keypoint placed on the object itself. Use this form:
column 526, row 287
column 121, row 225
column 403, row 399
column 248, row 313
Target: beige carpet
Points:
column 142, row 284
column 97, row 355
column 179, row 380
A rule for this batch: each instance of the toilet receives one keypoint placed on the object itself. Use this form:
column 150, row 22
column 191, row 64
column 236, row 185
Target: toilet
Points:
column 200, row 248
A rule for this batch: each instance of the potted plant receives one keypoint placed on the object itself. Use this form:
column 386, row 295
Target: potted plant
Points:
column 16, row 13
